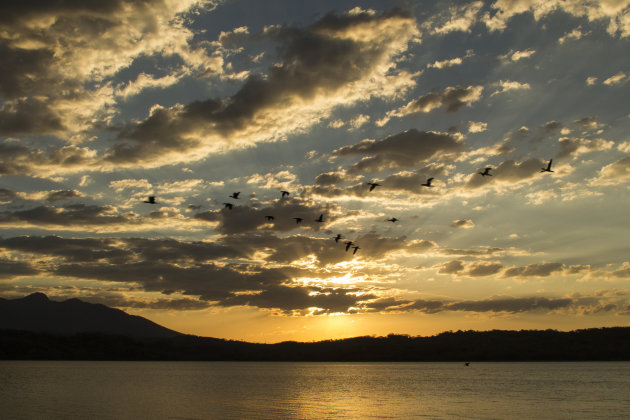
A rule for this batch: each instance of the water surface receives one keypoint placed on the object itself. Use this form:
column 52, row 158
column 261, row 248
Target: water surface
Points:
column 267, row 390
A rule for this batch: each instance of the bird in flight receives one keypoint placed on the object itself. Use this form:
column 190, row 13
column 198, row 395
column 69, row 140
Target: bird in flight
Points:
column 320, row 219
column 270, row 218
column 348, row 245
column 428, row 183
column 393, row 220
column 297, row 220
column 356, row 248
column 228, row 205
column 151, row 200
column 336, row 238
column 373, row 185
column 548, row 168
column 486, row 172
column 235, row 195
column 285, row 193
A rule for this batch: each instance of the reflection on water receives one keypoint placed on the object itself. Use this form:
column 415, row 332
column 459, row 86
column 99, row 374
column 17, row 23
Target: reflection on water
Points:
column 224, row 390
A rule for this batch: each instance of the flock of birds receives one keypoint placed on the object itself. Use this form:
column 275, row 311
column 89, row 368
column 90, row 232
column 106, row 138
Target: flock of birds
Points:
column 320, row 219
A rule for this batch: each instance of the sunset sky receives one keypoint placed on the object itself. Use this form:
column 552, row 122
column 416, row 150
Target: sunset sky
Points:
column 103, row 104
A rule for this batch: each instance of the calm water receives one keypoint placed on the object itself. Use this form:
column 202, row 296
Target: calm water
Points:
column 225, row 390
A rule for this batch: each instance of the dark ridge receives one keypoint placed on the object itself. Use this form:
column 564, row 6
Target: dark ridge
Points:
column 37, row 313
column 36, row 328
column 597, row 344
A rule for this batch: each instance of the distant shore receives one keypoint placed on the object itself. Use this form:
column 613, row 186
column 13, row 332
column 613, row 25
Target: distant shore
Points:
column 605, row 344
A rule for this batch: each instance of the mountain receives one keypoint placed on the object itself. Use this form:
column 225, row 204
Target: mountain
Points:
column 37, row 313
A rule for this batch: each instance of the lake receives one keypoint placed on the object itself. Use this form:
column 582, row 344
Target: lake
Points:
column 270, row 390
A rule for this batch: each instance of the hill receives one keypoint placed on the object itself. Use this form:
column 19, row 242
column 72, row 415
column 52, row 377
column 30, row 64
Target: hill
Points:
column 37, row 313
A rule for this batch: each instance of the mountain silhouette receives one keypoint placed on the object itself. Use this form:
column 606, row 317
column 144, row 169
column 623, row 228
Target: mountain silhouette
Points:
column 37, row 313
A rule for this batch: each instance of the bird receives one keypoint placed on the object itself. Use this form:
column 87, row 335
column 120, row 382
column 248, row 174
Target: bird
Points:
column 297, row 220
column 393, row 220
column 270, row 218
column 428, row 183
column 336, row 238
column 235, row 195
column 356, row 248
column 548, row 168
column 320, row 219
column 348, row 245
column 284, row 193
column 373, row 185
column 228, row 205
column 486, row 172
column 151, row 200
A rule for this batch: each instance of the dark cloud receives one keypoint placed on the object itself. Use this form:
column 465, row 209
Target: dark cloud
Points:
column 478, row 269
column 18, row 159
column 10, row 269
column 292, row 298
column 462, row 223
column 451, row 267
column 25, row 116
column 123, row 250
column 6, row 194
column 72, row 215
column 513, row 305
column 402, row 150
column 62, row 195
column 539, row 270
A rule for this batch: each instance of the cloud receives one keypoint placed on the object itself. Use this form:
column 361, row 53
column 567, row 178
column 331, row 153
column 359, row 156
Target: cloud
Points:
column 452, row 99
column 574, row 147
column 463, row 223
column 537, row 270
column 613, row 11
column 62, row 195
column 509, row 85
column 401, row 150
column 616, row 79
column 56, row 57
column 451, row 267
column 11, row 269
column 613, row 172
column 75, row 216
column 23, row 160
column 518, row 55
column 338, row 60
column 455, row 18
column 477, row 126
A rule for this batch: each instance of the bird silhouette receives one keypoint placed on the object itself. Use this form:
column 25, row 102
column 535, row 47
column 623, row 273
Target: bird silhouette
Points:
column 356, row 248
column 428, row 183
column 373, row 185
column 297, row 220
column 235, row 195
column 320, row 219
column 336, row 238
column 151, row 200
column 548, row 168
column 486, row 172
column 348, row 245
column 270, row 218
column 285, row 193
column 393, row 220
column 228, row 205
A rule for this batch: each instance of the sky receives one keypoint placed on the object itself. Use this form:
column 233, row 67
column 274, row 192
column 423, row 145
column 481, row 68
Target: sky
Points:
column 104, row 104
